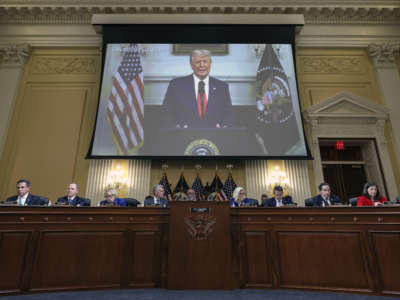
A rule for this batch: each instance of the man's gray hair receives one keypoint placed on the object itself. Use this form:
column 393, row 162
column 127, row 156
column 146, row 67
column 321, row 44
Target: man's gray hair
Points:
column 156, row 188
column 200, row 53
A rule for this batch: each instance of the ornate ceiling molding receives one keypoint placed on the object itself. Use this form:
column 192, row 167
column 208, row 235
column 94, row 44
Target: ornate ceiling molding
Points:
column 315, row 12
column 15, row 54
column 384, row 54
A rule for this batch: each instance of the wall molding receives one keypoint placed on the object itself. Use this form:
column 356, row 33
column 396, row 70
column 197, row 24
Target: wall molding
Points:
column 315, row 12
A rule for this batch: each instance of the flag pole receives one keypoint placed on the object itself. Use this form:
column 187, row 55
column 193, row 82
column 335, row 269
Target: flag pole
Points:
column 230, row 167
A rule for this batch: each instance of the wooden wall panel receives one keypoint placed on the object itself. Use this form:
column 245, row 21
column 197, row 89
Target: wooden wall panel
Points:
column 199, row 262
column 73, row 259
column 387, row 251
column 258, row 247
column 322, row 259
column 146, row 254
column 13, row 253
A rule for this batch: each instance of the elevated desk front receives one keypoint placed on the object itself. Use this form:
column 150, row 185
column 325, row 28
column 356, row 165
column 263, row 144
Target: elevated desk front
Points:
column 354, row 249
column 66, row 248
column 63, row 248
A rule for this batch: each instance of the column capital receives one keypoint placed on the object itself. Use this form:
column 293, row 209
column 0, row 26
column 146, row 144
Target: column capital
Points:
column 384, row 54
column 14, row 55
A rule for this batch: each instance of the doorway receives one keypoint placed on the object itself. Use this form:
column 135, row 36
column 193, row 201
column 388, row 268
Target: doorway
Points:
column 348, row 169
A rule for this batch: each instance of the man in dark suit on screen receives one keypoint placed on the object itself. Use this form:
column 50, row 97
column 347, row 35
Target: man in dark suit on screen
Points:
column 24, row 197
column 197, row 100
column 72, row 197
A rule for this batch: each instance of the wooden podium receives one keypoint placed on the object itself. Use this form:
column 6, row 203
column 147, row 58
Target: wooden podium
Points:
column 199, row 246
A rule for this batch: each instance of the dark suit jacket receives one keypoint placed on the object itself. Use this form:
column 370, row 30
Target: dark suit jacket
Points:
column 180, row 104
column 271, row 202
column 31, row 200
column 78, row 201
column 150, row 202
column 317, row 200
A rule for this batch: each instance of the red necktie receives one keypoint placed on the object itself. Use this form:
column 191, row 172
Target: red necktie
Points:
column 201, row 99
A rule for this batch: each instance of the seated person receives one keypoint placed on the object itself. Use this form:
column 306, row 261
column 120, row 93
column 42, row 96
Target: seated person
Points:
column 72, row 197
column 111, row 199
column 239, row 198
column 370, row 196
column 179, row 196
column 24, row 197
column 278, row 200
column 264, row 198
column 325, row 198
column 158, row 198
column 191, row 195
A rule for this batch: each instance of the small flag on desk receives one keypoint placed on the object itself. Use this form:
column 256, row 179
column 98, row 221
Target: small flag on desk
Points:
column 167, row 189
column 125, row 107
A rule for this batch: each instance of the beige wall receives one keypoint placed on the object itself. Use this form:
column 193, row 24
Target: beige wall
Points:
column 54, row 114
column 324, row 72
column 52, row 122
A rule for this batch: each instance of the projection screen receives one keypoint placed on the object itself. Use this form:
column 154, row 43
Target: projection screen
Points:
column 198, row 99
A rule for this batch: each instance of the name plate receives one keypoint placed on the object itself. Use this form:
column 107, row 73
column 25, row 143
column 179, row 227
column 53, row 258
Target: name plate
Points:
column 200, row 210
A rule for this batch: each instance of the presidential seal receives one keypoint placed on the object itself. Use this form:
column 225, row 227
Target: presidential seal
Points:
column 202, row 147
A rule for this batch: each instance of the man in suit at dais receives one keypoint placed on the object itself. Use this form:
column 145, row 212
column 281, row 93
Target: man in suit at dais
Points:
column 24, row 197
column 72, row 197
column 158, row 198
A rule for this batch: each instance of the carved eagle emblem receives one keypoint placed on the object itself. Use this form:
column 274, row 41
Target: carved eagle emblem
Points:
column 199, row 228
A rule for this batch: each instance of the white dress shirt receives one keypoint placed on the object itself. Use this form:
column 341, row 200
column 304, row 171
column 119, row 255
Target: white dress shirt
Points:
column 22, row 199
column 206, row 85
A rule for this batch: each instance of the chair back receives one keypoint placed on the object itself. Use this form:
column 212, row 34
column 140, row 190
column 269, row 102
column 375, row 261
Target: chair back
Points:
column 132, row 202
column 353, row 201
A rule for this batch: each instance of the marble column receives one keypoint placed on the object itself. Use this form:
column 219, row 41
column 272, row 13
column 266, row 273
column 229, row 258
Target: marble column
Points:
column 12, row 62
column 388, row 77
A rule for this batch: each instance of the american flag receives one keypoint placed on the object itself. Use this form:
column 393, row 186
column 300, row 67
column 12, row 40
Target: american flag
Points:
column 216, row 184
column 167, row 189
column 198, row 188
column 125, row 111
column 221, row 196
column 229, row 186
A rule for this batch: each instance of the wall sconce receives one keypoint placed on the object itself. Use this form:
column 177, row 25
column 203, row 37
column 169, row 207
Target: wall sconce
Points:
column 278, row 177
column 117, row 179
